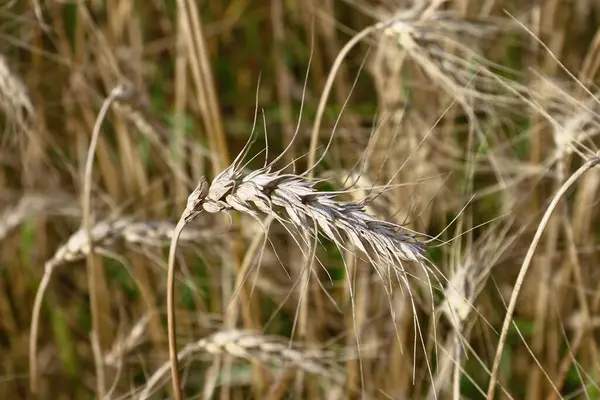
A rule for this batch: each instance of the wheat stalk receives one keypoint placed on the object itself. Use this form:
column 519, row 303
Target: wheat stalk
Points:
column 253, row 346
column 588, row 165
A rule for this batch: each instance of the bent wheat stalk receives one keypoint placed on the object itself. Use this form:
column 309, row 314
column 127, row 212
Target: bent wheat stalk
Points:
column 589, row 164
column 295, row 201
column 94, row 271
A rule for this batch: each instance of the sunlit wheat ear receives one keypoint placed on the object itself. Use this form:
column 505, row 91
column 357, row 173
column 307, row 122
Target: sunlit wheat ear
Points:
column 294, row 201
column 104, row 234
column 253, row 346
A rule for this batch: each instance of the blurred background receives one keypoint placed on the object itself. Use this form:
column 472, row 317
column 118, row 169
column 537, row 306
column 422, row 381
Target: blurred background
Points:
column 470, row 114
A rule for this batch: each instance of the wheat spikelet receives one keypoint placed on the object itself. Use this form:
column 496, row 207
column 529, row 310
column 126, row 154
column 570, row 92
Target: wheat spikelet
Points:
column 252, row 346
column 465, row 283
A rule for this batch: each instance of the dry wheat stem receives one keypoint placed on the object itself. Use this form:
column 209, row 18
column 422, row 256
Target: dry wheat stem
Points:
column 252, row 346
column 591, row 163
column 171, row 330
column 116, row 93
column 87, row 225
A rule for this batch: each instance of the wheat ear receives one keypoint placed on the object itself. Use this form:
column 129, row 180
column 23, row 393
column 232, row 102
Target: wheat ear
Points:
column 294, row 200
column 250, row 346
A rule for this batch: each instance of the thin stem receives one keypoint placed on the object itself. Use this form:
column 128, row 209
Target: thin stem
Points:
column 525, row 267
column 87, row 225
column 175, row 377
column 35, row 324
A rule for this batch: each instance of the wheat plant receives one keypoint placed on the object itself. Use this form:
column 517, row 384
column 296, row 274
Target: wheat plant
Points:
column 295, row 201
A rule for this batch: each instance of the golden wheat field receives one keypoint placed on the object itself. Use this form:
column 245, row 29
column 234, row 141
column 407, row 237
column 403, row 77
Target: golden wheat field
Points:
column 299, row 199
